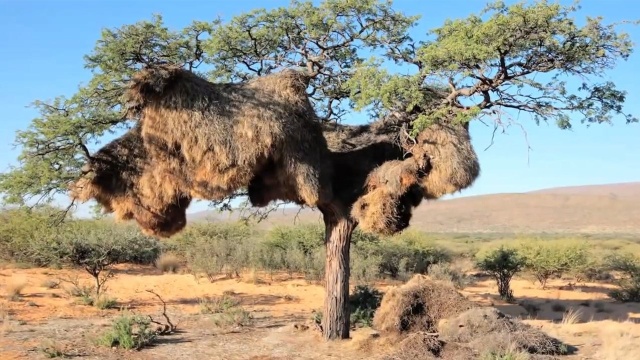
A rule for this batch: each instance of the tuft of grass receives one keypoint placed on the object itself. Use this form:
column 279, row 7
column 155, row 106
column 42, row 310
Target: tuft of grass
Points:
column 50, row 284
column 14, row 289
column 216, row 305
column 51, row 350
column 168, row 263
column 573, row 316
column 233, row 317
column 104, row 303
column 558, row 307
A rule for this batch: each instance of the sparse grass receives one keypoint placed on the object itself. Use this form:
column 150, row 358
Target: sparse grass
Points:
column 232, row 317
column 15, row 287
column 216, row 305
column 618, row 342
column 168, row 263
column 558, row 307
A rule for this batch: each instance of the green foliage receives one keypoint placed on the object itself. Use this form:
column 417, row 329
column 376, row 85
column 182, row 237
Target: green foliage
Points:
column 629, row 266
column 547, row 259
column 216, row 305
column 502, row 263
column 405, row 254
column 129, row 332
column 363, row 302
column 519, row 57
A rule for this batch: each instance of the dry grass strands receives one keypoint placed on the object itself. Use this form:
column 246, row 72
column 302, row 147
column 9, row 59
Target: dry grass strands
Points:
column 392, row 192
column 262, row 135
column 124, row 181
column 453, row 160
column 418, row 305
column 487, row 330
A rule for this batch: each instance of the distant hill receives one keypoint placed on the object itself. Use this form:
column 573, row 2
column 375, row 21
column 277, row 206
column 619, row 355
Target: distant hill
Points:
column 591, row 209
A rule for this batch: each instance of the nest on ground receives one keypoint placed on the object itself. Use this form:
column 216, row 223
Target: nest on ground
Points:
column 418, row 305
column 489, row 330
column 431, row 320
column 200, row 140
column 121, row 179
column 442, row 161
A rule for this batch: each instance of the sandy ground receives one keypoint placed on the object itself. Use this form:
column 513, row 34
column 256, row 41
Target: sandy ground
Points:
column 43, row 317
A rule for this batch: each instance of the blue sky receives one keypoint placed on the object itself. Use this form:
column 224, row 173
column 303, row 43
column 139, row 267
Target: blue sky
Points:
column 43, row 43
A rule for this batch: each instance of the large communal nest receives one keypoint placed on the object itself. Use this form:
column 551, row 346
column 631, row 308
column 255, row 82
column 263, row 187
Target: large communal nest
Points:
column 200, row 140
column 431, row 320
column 442, row 161
column 418, row 305
column 123, row 180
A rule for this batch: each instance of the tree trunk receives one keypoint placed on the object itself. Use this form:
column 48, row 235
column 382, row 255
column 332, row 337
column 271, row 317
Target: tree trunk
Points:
column 338, row 230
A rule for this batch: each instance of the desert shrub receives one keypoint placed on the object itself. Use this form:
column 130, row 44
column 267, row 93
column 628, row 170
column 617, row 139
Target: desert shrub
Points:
column 399, row 256
column 129, row 332
column 629, row 266
column 168, row 262
column 15, row 287
column 363, row 303
column 546, row 259
column 295, row 250
column 97, row 246
column 364, row 267
column 104, row 302
column 216, row 249
column 446, row 272
column 501, row 263
column 216, row 305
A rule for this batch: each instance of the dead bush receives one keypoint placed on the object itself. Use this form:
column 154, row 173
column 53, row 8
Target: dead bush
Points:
column 168, row 263
column 418, row 305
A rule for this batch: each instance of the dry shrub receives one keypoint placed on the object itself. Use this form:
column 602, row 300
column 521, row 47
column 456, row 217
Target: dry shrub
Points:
column 197, row 139
column 15, row 287
column 418, row 305
column 487, row 330
column 168, row 262
column 454, row 163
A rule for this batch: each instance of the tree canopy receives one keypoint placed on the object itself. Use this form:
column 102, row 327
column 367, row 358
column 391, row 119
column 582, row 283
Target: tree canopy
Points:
column 517, row 57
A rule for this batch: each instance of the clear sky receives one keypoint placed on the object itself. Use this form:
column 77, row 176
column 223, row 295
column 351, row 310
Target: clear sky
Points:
column 42, row 43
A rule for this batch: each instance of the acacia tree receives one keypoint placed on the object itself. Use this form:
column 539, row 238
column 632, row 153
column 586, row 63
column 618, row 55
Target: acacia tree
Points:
column 514, row 57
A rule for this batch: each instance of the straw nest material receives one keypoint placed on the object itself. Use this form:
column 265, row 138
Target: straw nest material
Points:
column 454, row 163
column 118, row 178
column 262, row 135
column 442, row 161
column 199, row 140
column 431, row 320
column 418, row 305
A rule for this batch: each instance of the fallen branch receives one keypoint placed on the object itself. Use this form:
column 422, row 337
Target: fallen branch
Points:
column 167, row 328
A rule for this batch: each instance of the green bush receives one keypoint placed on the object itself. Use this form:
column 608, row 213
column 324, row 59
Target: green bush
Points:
column 129, row 332
column 629, row 266
column 546, row 259
column 502, row 263
column 363, row 303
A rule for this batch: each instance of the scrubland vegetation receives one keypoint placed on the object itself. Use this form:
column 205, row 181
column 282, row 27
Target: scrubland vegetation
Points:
column 213, row 252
